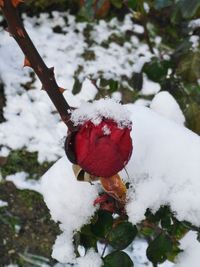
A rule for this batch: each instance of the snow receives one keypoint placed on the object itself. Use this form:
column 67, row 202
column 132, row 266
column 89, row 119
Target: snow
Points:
column 164, row 167
column 149, row 87
column 3, row 203
column 137, row 252
column 194, row 24
column 194, row 39
column 190, row 255
column 66, row 199
column 91, row 259
column 4, row 152
column 165, row 104
column 99, row 109
column 20, row 180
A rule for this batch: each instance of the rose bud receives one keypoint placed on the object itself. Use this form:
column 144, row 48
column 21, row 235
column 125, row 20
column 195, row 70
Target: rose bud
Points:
column 104, row 149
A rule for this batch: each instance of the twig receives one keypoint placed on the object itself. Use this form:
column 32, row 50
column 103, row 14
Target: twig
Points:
column 106, row 243
column 146, row 35
column 143, row 21
column 34, row 60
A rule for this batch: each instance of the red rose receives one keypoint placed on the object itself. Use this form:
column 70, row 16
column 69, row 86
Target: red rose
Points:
column 104, row 149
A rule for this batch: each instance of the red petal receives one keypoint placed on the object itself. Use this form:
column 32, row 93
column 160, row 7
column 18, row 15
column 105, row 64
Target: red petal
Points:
column 100, row 154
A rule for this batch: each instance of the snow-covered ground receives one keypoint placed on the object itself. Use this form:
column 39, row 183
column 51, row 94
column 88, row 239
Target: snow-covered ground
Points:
column 164, row 165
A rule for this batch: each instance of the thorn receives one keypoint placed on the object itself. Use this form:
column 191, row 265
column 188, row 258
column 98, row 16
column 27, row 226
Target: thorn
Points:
column 61, row 90
column 20, row 32
column 15, row 3
column 1, row 3
column 27, row 62
column 51, row 69
column 42, row 88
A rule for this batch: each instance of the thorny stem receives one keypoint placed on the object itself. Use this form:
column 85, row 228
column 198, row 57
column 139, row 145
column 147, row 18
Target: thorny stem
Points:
column 45, row 74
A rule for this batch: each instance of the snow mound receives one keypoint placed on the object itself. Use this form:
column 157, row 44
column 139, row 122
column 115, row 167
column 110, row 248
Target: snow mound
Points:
column 164, row 170
column 91, row 259
column 164, row 104
column 164, row 167
column 191, row 247
column 99, row 109
column 70, row 203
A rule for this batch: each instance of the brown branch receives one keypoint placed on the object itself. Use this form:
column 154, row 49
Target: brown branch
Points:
column 34, row 60
column 146, row 35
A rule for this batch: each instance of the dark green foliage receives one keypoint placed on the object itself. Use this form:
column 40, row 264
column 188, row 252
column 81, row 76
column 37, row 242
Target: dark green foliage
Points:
column 117, row 259
column 122, row 235
column 77, row 86
column 156, row 70
column 159, row 248
column 103, row 224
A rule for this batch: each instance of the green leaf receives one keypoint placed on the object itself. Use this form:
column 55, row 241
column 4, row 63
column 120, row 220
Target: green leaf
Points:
column 159, row 4
column 117, row 259
column 137, row 81
column 188, row 7
column 177, row 230
column 77, row 86
column 192, row 114
column 189, row 66
column 159, row 248
column 122, row 235
column 87, row 237
column 87, row 10
column 117, row 3
column 157, row 70
column 104, row 82
column 166, row 222
column 103, row 224
column 113, row 86
column 88, row 241
column 132, row 4
column 173, row 255
column 147, row 231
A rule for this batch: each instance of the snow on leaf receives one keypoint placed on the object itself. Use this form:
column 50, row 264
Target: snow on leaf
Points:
column 99, row 109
